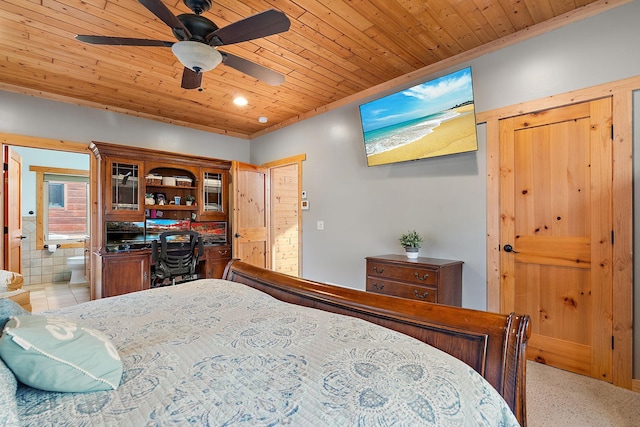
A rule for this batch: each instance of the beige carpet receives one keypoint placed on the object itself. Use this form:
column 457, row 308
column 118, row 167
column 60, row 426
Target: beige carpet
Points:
column 557, row 398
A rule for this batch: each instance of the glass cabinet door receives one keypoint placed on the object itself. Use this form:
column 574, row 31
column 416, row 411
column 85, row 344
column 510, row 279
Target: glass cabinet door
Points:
column 213, row 194
column 123, row 188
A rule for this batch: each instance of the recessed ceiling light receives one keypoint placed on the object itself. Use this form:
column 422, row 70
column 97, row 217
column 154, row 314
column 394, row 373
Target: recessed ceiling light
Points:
column 263, row 119
column 240, row 101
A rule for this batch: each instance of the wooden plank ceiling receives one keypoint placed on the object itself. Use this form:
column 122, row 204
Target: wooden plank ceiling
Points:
column 334, row 50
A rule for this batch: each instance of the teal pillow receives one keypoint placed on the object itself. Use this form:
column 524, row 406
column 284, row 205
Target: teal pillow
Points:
column 57, row 354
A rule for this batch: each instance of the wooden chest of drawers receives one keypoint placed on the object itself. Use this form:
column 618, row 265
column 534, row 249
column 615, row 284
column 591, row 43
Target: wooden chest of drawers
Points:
column 425, row 279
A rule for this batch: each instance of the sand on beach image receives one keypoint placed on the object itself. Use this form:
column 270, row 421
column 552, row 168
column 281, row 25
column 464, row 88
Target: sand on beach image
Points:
column 451, row 136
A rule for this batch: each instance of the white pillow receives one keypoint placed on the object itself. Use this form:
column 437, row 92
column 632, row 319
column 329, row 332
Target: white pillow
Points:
column 10, row 278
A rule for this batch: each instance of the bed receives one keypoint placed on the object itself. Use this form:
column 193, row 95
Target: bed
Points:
column 259, row 348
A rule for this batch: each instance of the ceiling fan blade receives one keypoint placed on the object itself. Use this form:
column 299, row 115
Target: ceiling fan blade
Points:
column 165, row 15
column 191, row 79
column 262, row 24
column 251, row 68
column 122, row 41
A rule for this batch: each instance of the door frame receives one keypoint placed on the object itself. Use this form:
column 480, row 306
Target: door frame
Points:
column 57, row 145
column 293, row 160
column 622, row 93
column 13, row 229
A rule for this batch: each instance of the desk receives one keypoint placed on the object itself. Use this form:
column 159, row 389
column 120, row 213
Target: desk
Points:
column 124, row 272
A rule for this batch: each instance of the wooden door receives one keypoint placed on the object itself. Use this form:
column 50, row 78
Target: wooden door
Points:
column 556, row 233
column 285, row 218
column 13, row 215
column 250, row 214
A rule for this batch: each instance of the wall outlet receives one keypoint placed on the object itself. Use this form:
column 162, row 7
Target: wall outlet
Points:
column 304, row 194
column 320, row 225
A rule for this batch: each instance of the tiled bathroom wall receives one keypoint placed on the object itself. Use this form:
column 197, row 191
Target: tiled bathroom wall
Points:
column 41, row 266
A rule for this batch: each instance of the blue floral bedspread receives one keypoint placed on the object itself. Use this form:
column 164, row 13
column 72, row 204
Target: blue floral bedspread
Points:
column 218, row 353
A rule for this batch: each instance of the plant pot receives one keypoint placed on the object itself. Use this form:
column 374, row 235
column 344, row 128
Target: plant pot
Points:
column 149, row 201
column 188, row 202
column 412, row 253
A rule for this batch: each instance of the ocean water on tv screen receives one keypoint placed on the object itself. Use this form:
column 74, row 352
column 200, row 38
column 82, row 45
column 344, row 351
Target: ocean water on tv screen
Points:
column 387, row 138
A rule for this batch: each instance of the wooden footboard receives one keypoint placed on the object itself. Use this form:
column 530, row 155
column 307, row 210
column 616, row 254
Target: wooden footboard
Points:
column 492, row 344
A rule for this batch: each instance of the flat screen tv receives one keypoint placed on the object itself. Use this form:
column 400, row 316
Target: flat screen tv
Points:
column 212, row 232
column 435, row 118
column 124, row 234
column 155, row 227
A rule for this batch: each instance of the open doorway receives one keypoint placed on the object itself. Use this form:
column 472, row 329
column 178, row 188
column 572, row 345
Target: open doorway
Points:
column 54, row 212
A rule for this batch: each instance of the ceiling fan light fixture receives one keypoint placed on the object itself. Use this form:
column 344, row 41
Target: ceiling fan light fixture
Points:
column 196, row 56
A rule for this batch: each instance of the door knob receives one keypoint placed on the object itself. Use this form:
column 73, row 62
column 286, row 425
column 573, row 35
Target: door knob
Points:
column 237, row 235
column 509, row 248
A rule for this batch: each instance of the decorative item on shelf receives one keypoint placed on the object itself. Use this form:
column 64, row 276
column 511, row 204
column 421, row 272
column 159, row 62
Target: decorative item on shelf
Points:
column 183, row 181
column 149, row 199
column 169, row 181
column 153, row 179
column 189, row 199
column 411, row 241
column 161, row 198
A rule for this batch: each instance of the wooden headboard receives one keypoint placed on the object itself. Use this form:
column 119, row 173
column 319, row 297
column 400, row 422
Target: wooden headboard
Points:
column 492, row 344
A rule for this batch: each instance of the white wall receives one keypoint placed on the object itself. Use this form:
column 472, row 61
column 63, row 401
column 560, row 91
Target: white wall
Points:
column 26, row 115
column 365, row 209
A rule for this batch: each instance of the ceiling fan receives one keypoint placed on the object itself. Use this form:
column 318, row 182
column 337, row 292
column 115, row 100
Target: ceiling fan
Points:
column 198, row 39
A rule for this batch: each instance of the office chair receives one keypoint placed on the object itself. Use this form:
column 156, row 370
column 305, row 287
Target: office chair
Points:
column 178, row 260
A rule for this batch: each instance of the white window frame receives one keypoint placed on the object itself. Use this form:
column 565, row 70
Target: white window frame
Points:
column 42, row 205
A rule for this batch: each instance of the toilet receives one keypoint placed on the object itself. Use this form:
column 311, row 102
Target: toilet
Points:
column 76, row 265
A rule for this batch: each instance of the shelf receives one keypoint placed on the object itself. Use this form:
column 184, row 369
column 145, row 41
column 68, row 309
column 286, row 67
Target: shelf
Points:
column 172, row 187
column 121, row 177
column 125, row 206
column 171, row 207
column 212, row 207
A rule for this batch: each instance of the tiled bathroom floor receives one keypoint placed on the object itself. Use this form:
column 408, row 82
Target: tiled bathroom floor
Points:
column 49, row 296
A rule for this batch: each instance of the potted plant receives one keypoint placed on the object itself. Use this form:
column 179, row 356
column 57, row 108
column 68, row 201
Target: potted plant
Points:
column 189, row 199
column 149, row 199
column 411, row 241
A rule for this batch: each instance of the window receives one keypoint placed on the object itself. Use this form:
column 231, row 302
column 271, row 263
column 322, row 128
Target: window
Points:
column 56, row 195
column 62, row 204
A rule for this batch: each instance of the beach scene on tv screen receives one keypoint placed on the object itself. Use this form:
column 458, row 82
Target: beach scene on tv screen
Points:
column 431, row 119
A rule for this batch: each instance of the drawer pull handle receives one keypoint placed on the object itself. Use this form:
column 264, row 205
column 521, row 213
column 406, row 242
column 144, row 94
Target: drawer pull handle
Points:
column 378, row 287
column 222, row 252
column 375, row 268
column 421, row 296
column 423, row 277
